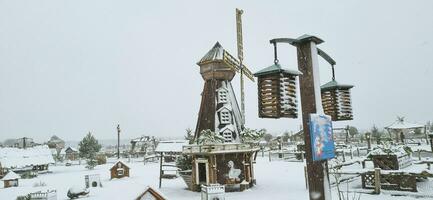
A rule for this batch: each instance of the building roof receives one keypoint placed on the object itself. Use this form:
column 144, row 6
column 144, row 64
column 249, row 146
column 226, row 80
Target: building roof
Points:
column 154, row 192
column 119, row 161
column 216, row 53
column 19, row 158
column 171, row 146
column 400, row 124
column 334, row 85
column 276, row 68
column 10, row 176
column 72, row 149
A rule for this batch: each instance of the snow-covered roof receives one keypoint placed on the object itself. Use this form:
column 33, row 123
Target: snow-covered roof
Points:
column 228, row 127
column 72, row 148
column 119, row 161
column 10, row 176
column 152, row 191
column 400, row 123
column 225, row 107
column 18, row 158
column 171, row 146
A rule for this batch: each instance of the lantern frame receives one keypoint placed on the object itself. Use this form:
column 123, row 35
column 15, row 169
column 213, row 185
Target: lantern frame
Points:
column 336, row 100
column 277, row 92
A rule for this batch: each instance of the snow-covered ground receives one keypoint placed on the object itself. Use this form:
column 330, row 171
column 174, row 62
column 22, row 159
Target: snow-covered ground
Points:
column 275, row 180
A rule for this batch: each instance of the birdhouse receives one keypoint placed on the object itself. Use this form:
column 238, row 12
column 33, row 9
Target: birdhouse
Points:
column 277, row 92
column 336, row 100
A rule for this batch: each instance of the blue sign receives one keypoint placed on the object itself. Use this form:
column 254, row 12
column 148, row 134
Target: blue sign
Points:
column 322, row 141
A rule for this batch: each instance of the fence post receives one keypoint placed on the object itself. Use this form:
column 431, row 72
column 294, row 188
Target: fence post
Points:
column 357, row 150
column 377, row 180
column 419, row 154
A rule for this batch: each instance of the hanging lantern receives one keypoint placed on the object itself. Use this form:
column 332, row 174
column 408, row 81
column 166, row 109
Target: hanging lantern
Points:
column 336, row 100
column 277, row 92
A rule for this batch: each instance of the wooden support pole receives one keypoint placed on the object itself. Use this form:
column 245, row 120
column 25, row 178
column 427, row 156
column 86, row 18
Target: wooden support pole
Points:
column 311, row 103
column 377, row 180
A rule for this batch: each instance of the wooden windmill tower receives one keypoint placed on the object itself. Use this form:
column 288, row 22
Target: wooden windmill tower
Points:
column 219, row 109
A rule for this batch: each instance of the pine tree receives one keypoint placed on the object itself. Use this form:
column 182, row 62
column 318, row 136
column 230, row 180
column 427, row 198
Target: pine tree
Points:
column 88, row 147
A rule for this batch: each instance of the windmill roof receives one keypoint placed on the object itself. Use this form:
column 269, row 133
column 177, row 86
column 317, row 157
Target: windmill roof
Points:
column 335, row 85
column 276, row 68
column 216, row 53
column 11, row 176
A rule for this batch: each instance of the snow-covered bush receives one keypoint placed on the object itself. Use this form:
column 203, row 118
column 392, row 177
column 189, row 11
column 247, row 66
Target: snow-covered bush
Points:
column 252, row 135
column 209, row 137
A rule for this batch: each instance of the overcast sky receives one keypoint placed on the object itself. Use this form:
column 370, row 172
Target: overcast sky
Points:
column 69, row 67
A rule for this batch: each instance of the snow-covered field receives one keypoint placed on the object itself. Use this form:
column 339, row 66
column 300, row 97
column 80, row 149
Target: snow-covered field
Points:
column 275, row 180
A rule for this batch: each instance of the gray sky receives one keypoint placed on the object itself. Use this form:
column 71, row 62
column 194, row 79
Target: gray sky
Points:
column 69, row 67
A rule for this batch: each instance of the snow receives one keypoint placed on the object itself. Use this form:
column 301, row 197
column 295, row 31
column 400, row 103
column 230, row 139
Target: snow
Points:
column 275, row 180
column 20, row 158
column 10, row 176
column 171, row 146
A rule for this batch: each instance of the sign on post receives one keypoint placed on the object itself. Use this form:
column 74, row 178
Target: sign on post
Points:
column 322, row 141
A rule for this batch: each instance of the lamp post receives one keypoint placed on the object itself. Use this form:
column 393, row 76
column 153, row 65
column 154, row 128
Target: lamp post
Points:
column 312, row 109
column 118, row 141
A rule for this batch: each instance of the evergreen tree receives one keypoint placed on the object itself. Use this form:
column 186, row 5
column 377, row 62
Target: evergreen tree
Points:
column 353, row 131
column 189, row 136
column 375, row 133
column 88, row 147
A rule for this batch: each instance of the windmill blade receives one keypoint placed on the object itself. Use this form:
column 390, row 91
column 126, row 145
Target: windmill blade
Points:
column 234, row 64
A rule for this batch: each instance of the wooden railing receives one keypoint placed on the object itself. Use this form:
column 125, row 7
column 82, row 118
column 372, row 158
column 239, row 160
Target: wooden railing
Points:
column 219, row 148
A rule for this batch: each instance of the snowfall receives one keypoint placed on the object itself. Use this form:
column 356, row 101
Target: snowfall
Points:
column 275, row 180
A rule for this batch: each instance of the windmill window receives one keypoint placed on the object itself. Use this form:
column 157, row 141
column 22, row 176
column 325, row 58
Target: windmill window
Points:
column 227, row 136
column 225, row 117
column 222, row 96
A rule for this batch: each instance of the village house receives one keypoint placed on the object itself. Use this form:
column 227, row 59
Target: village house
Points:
column 119, row 170
column 71, row 154
column 11, row 179
column 36, row 159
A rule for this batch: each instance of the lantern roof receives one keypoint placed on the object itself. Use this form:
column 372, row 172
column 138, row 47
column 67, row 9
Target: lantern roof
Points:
column 334, row 85
column 276, row 68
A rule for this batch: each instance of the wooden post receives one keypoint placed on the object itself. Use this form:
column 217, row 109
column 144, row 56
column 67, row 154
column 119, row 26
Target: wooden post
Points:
column 419, row 154
column 344, row 156
column 357, row 150
column 311, row 103
column 160, row 170
column 377, row 180
column 351, row 153
column 428, row 166
column 363, row 164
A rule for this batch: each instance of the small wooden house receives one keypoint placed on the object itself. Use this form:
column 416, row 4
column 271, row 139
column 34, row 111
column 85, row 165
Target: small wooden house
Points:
column 151, row 194
column 71, row 154
column 11, row 179
column 119, row 170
